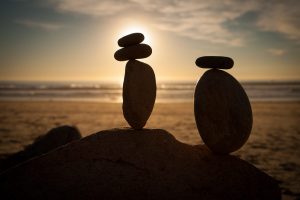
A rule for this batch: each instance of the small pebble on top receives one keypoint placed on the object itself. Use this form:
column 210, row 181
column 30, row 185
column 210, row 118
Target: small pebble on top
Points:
column 131, row 39
column 218, row 62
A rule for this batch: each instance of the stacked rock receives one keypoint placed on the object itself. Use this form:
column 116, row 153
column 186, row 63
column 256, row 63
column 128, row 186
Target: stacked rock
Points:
column 139, row 87
column 222, row 109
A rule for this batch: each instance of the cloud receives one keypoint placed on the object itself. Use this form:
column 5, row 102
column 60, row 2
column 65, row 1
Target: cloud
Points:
column 282, row 17
column 199, row 20
column 92, row 7
column 276, row 52
column 47, row 26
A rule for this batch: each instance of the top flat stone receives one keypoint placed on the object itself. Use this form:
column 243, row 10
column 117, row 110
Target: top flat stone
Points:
column 219, row 62
column 131, row 39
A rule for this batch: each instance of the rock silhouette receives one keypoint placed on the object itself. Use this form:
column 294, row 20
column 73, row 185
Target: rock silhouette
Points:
column 137, row 51
column 54, row 138
column 132, row 164
column 139, row 87
column 222, row 110
column 131, row 39
column 148, row 163
column 219, row 62
column 139, row 92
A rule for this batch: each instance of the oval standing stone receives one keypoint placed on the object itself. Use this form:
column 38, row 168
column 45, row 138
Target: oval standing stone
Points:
column 222, row 111
column 131, row 39
column 219, row 62
column 137, row 51
column 139, row 93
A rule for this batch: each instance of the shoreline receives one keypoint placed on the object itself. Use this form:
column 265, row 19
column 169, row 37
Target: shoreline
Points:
column 25, row 120
column 120, row 102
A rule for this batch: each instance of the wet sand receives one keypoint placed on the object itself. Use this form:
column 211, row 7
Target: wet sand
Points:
column 273, row 146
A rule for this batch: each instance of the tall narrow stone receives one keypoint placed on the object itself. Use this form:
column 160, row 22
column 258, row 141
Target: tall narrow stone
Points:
column 139, row 93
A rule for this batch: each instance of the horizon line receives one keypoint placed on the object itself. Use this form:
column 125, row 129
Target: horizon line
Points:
column 158, row 80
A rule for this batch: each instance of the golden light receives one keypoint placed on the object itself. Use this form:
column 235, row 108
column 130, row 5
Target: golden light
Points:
column 136, row 28
column 126, row 27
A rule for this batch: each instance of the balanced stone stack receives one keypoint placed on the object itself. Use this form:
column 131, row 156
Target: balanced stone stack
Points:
column 139, row 87
column 222, row 109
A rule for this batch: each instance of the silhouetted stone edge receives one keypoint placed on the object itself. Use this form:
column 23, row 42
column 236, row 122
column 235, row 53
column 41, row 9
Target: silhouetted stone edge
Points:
column 131, row 164
column 54, row 138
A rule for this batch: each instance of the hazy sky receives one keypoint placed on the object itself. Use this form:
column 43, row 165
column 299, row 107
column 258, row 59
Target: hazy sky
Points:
column 76, row 39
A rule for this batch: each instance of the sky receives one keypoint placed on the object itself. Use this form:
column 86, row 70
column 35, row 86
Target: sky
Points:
column 75, row 40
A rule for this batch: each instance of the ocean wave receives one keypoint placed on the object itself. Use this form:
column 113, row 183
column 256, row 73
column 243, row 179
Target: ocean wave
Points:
column 166, row 91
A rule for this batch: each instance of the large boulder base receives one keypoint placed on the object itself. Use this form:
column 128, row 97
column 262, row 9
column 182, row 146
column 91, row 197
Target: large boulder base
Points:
column 130, row 164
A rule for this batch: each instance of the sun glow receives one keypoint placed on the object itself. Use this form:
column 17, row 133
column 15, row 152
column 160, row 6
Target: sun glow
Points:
column 136, row 28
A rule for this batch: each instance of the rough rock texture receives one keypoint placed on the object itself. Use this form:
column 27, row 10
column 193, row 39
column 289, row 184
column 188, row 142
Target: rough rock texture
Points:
column 129, row 164
column 131, row 39
column 137, row 51
column 222, row 111
column 220, row 62
column 139, row 93
column 54, row 138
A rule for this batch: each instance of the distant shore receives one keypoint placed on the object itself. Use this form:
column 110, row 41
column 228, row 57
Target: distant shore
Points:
column 167, row 92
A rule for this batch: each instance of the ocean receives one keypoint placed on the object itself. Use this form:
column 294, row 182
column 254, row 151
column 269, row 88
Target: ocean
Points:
column 167, row 92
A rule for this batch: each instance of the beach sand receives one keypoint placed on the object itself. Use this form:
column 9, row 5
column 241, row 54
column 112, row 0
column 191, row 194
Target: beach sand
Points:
column 273, row 146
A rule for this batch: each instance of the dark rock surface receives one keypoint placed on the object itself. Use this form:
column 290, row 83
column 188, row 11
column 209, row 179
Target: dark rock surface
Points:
column 54, row 138
column 222, row 111
column 137, row 51
column 139, row 93
column 131, row 39
column 219, row 62
column 129, row 164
